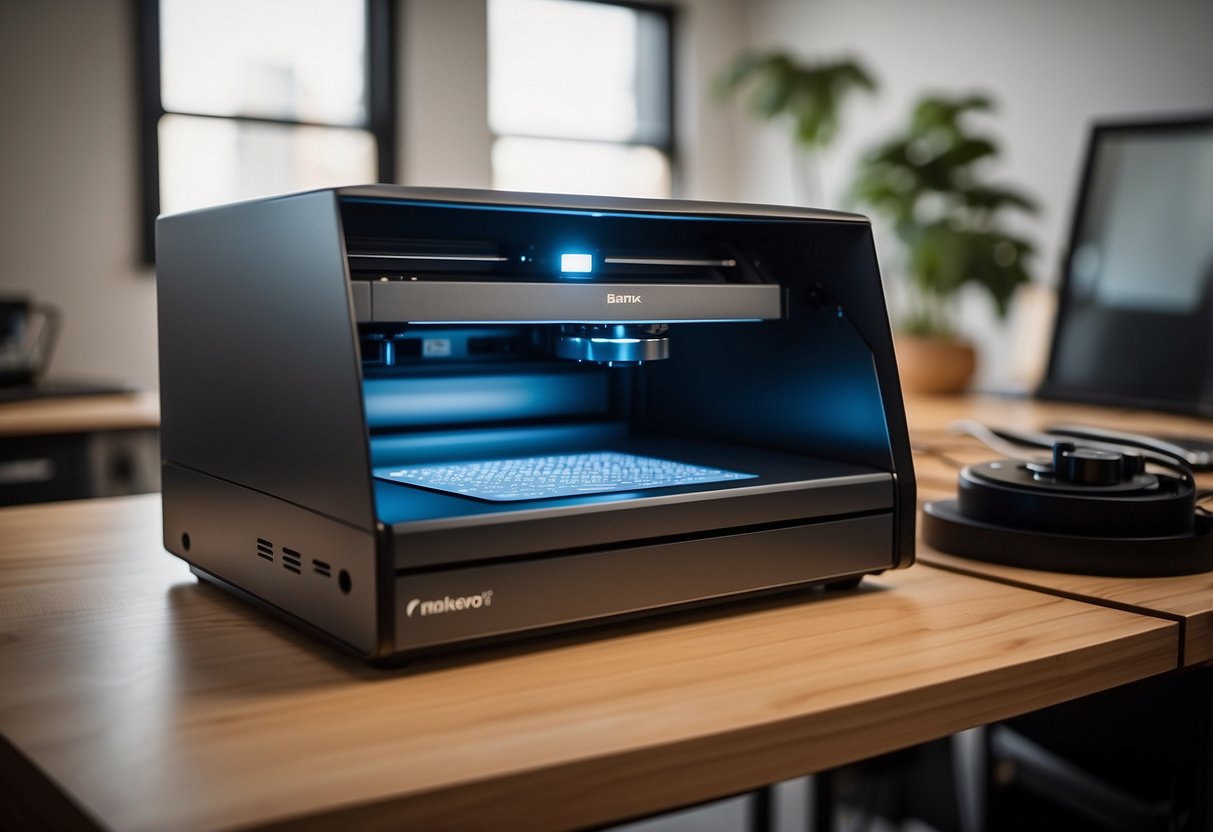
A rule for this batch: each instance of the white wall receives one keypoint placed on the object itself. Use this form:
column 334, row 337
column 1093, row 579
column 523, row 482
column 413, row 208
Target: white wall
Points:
column 1052, row 67
column 69, row 173
column 69, row 163
column 706, row 133
column 70, row 168
column 444, row 137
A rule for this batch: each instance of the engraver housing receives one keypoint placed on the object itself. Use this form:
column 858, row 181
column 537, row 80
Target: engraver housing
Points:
column 409, row 419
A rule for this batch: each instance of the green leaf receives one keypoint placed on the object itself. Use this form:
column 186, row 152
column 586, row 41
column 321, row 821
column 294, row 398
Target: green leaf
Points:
column 810, row 96
column 851, row 74
column 773, row 90
column 940, row 113
column 991, row 198
column 926, row 181
column 965, row 152
column 973, row 102
column 739, row 71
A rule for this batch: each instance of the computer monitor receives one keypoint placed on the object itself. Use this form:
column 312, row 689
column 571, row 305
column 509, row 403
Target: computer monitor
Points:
column 1134, row 322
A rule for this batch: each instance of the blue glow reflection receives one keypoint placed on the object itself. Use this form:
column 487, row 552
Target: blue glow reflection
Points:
column 404, row 402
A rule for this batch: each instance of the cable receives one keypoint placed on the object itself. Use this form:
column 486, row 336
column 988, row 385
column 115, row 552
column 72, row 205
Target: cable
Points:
column 940, row 454
column 997, row 441
column 1007, row 443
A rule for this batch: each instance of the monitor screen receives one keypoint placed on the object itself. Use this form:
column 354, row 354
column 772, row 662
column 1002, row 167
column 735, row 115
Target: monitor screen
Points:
column 1135, row 314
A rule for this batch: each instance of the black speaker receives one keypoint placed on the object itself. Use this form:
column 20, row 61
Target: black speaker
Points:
column 1091, row 510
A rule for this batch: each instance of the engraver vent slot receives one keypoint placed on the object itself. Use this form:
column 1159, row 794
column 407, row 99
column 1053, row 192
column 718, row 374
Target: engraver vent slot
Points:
column 292, row 560
column 265, row 549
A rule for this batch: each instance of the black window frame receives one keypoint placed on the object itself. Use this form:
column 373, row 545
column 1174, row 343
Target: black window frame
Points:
column 382, row 120
column 669, row 143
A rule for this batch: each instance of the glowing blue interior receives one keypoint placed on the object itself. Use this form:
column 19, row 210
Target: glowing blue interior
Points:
column 558, row 475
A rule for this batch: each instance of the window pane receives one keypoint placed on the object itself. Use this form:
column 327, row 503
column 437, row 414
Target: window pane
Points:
column 573, row 69
column 552, row 165
column 205, row 161
column 289, row 59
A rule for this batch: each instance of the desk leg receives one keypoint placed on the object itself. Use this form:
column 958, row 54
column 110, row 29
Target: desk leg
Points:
column 821, row 811
column 1136, row 757
column 1202, row 809
column 762, row 801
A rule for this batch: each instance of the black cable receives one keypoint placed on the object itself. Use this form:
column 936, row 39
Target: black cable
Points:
column 938, row 453
column 997, row 439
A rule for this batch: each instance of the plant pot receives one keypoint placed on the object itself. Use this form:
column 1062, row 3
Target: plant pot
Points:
column 934, row 365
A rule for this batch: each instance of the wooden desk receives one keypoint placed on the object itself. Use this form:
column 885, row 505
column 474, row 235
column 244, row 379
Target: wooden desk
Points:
column 80, row 414
column 68, row 447
column 939, row 453
column 139, row 699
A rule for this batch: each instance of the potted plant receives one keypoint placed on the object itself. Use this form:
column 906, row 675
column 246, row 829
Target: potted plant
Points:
column 928, row 183
column 807, row 96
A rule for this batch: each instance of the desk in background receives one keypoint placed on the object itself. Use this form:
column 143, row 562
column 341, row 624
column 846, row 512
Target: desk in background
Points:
column 137, row 698
column 68, row 447
column 940, row 451
column 1147, row 748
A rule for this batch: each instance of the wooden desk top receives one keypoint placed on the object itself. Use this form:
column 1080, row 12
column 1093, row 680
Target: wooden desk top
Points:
column 80, row 414
column 940, row 453
column 155, row 701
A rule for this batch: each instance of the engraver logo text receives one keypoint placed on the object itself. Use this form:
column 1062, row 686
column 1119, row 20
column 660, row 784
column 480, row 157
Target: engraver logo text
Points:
column 438, row 606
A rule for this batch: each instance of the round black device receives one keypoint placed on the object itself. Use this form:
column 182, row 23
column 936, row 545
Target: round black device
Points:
column 1089, row 510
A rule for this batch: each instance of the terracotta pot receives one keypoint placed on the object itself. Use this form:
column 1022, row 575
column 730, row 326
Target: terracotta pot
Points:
column 934, row 365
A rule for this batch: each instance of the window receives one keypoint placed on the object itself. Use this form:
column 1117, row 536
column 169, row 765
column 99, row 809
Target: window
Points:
column 580, row 96
column 243, row 98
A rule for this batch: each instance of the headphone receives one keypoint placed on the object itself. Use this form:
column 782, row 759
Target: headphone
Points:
column 1093, row 508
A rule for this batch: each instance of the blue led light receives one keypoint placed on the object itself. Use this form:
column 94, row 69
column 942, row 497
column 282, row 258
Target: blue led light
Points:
column 576, row 263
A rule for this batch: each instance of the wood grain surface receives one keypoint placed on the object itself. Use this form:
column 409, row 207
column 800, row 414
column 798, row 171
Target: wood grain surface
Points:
column 941, row 452
column 150, row 701
column 80, row 414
